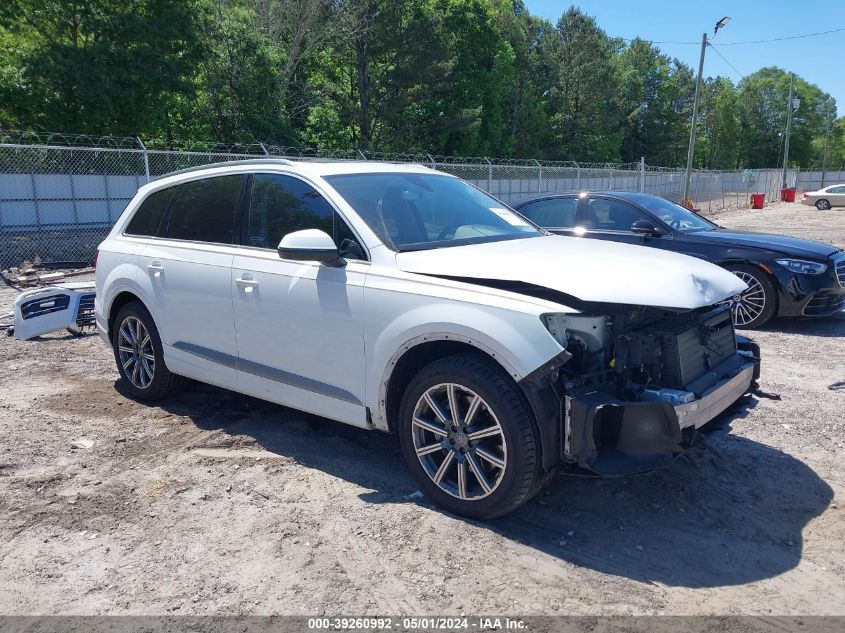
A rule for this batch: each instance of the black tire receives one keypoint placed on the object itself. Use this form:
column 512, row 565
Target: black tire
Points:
column 521, row 476
column 741, row 311
column 822, row 204
column 163, row 382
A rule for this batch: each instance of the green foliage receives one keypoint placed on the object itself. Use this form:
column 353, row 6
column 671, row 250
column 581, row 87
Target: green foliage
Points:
column 472, row 77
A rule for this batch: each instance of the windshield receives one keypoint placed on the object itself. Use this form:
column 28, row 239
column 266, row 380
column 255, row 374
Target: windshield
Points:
column 675, row 215
column 420, row 211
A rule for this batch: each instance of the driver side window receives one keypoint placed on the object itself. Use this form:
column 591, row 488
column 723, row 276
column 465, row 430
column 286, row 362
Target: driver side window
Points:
column 280, row 204
column 609, row 215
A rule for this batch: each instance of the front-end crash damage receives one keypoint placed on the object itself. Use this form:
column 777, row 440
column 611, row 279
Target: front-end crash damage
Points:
column 634, row 384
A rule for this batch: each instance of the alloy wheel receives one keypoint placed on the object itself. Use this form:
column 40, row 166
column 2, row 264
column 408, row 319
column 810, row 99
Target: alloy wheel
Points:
column 748, row 305
column 459, row 441
column 135, row 352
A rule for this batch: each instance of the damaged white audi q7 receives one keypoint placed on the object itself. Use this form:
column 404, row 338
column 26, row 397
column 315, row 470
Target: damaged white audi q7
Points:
column 400, row 299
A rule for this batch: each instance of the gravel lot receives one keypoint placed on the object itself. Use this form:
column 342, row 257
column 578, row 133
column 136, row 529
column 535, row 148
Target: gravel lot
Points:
column 217, row 503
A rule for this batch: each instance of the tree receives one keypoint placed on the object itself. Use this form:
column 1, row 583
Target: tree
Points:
column 110, row 66
column 721, row 125
column 582, row 104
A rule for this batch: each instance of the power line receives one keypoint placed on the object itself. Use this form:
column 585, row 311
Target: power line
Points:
column 781, row 39
column 774, row 39
column 715, row 50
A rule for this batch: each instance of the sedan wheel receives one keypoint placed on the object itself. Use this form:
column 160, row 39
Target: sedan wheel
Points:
column 459, row 441
column 822, row 205
column 757, row 303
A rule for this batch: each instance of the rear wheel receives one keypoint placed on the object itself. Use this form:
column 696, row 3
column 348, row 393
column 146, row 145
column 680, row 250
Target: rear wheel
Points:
column 468, row 437
column 139, row 355
column 756, row 304
column 822, row 205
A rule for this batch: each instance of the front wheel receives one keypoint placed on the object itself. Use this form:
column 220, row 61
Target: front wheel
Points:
column 756, row 304
column 822, row 205
column 468, row 437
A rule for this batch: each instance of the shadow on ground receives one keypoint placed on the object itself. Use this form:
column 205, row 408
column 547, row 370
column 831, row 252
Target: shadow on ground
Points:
column 728, row 515
column 830, row 326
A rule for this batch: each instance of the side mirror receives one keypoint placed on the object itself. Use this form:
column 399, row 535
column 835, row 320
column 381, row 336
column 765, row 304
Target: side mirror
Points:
column 310, row 245
column 644, row 227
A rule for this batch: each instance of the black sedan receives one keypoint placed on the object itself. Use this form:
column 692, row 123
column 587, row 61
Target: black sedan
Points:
column 786, row 276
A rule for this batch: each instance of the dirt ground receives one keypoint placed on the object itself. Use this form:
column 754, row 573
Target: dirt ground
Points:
column 217, row 503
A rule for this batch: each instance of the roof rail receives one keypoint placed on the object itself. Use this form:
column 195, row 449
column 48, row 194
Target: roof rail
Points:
column 226, row 163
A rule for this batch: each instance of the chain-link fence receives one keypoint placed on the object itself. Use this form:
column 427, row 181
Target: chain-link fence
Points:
column 60, row 195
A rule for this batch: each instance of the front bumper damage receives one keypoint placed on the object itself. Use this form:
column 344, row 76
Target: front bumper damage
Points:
column 612, row 437
column 596, row 431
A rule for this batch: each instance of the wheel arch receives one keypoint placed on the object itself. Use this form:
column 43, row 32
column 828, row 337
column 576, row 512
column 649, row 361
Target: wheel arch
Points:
column 418, row 352
column 121, row 299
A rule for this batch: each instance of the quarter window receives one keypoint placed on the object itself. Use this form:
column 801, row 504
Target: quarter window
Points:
column 282, row 204
column 609, row 215
column 204, row 210
column 554, row 213
column 147, row 218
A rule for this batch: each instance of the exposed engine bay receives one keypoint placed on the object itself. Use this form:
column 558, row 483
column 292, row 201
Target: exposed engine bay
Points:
column 638, row 382
column 646, row 353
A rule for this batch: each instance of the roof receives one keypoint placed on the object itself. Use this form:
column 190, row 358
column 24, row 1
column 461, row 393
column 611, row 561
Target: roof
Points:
column 634, row 196
column 314, row 167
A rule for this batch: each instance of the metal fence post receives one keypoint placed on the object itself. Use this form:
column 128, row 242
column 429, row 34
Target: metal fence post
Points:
column 539, row 175
column 146, row 157
column 642, row 174
column 264, row 149
column 361, row 154
column 489, row 175
column 577, row 177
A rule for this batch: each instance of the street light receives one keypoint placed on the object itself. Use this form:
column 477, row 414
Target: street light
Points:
column 691, row 151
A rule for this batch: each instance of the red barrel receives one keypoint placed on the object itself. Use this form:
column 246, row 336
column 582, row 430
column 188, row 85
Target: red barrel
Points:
column 758, row 200
column 790, row 194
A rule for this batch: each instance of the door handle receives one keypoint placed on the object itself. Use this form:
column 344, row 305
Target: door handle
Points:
column 247, row 283
column 156, row 268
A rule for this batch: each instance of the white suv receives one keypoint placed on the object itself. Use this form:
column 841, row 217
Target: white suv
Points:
column 406, row 300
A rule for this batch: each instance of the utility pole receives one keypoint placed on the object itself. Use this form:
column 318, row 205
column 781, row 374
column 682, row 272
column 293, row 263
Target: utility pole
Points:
column 691, row 150
column 789, row 109
column 826, row 140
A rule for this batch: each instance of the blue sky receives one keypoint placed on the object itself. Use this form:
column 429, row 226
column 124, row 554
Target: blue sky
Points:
column 819, row 60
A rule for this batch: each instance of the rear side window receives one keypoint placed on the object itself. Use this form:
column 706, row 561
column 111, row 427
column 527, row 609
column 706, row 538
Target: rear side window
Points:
column 554, row 213
column 148, row 217
column 204, row 210
column 282, row 204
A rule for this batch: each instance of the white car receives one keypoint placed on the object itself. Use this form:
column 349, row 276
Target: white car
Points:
column 406, row 300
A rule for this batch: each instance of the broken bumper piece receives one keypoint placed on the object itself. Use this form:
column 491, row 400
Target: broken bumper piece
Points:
column 614, row 437
column 66, row 306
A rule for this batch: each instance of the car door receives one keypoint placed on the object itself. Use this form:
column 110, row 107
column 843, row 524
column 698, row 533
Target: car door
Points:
column 298, row 324
column 556, row 214
column 608, row 218
column 837, row 196
column 188, row 277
